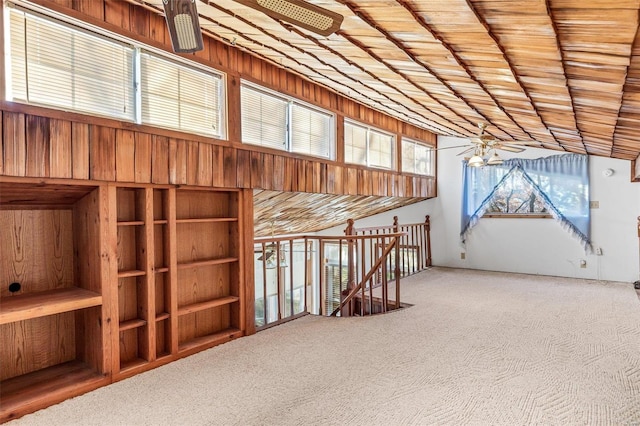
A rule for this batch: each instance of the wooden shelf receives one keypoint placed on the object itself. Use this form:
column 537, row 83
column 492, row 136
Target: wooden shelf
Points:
column 163, row 316
column 195, row 307
column 160, row 221
column 197, row 263
column 161, row 270
column 46, row 387
column 134, row 323
column 133, row 364
column 34, row 305
column 131, row 223
column 132, row 273
column 210, row 339
column 207, row 220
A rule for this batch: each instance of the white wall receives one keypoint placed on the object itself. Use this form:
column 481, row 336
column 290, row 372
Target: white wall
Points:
column 533, row 246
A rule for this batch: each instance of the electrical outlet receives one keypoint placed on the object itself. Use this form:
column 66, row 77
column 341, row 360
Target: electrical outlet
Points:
column 599, row 251
column 583, row 263
column 594, row 204
column 463, row 255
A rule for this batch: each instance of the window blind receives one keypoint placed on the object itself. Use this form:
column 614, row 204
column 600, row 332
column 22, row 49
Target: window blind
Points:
column 380, row 149
column 58, row 65
column 264, row 118
column 179, row 97
column 355, row 144
column 311, row 131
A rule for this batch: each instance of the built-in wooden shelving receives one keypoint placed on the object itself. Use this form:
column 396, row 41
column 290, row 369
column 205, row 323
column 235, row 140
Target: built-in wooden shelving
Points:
column 43, row 303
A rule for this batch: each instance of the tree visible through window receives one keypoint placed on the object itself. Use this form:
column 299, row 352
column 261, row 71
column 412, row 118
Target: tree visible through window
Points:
column 515, row 195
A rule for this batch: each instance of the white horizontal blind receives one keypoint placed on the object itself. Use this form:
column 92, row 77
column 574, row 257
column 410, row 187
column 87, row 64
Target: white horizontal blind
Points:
column 417, row 158
column 58, row 65
column 264, row 118
column 381, row 149
column 180, row 97
column 311, row 131
column 355, row 144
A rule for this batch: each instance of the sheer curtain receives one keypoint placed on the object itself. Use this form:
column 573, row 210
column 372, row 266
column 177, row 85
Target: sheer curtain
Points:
column 561, row 181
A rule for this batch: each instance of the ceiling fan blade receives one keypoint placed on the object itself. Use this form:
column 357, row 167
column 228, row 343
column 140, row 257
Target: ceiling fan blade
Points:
column 509, row 148
column 451, row 147
column 467, row 150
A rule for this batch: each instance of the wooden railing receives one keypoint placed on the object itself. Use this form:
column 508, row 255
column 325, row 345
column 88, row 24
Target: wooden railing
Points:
column 354, row 274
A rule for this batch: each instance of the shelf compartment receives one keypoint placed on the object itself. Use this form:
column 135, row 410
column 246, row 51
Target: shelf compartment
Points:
column 43, row 303
column 131, row 223
column 210, row 339
column 132, row 346
column 196, row 307
column 132, row 364
column 133, row 323
column 131, row 273
column 196, row 263
column 207, row 220
column 50, row 385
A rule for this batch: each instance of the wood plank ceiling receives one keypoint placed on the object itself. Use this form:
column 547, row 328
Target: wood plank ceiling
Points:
column 563, row 73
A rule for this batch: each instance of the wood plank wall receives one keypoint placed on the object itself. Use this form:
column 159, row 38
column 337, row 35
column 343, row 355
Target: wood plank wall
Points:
column 39, row 142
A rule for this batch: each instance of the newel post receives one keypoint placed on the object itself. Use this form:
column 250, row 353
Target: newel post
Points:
column 396, row 226
column 427, row 231
column 351, row 268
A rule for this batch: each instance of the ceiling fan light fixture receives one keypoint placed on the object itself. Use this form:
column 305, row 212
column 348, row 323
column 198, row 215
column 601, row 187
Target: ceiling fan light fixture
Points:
column 475, row 161
column 298, row 12
column 183, row 24
column 495, row 160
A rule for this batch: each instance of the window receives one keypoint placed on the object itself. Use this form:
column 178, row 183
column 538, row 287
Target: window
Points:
column 60, row 65
column 368, row 147
column 179, row 97
column 57, row 65
column 516, row 196
column 417, row 158
column 275, row 121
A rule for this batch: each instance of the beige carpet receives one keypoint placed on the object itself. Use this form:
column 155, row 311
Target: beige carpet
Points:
column 477, row 348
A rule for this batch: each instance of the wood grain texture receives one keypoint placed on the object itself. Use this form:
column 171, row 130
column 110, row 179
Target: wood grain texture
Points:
column 143, row 157
column 125, row 156
column 14, row 144
column 61, row 156
column 102, row 153
column 80, row 150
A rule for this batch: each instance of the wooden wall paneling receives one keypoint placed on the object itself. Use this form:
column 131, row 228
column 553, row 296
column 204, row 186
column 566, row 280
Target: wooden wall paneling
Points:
column 340, row 138
column 232, row 55
column 400, row 186
column 139, row 20
column 247, row 164
column 80, row 150
column 102, row 153
column 2, row 137
column 278, row 173
column 351, row 186
column 300, row 183
column 374, row 175
column 217, row 161
column 92, row 8
column 205, row 165
column 382, row 184
column 230, row 165
column 143, row 157
column 160, row 159
column 14, row 140
column 117, row 12
column 316, row 181
column 177, row 161
column 234, row 130
column 268, row 171
column 220, row 54
column 158, row 29
column 37, row 140
column 290, row 174
column 125, row 155
column 201, row 54
column 331, row 179
column 192, row 152
column 60, row 154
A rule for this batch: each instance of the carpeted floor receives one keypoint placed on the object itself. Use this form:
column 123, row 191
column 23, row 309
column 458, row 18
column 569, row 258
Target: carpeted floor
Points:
column 476, row 348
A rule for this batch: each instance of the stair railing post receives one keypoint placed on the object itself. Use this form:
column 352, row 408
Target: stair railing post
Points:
column 427, row 230
column 397, row 271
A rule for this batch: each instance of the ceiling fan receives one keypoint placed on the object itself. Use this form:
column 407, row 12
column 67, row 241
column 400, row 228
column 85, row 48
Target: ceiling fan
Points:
column 483, row 145
column 184, row 27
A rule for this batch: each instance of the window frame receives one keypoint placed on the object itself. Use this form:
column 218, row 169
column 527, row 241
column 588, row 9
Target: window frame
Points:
column 432, row 157
column 290, row 103
column 368, row 131
column 74, row 24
